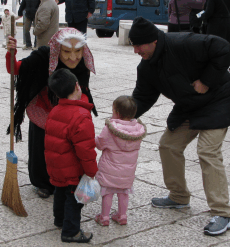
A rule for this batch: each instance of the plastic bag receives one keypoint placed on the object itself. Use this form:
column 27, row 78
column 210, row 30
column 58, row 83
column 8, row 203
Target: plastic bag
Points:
column 88, row 190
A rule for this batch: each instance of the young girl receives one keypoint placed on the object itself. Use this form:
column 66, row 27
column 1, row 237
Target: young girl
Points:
column 120, row 142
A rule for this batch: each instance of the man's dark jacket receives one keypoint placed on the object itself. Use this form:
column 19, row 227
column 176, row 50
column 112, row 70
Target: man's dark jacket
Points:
column 30, row 6
column 77, row 10
column 179, row 60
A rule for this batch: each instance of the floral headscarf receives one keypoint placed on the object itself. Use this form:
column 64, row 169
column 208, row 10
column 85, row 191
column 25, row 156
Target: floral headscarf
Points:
column 55, row 48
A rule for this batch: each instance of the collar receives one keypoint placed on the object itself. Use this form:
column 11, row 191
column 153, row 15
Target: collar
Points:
column 81, row 103
column 159, row 48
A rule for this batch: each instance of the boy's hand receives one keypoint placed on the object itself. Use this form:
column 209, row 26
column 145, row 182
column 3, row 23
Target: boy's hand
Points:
column 200, row 87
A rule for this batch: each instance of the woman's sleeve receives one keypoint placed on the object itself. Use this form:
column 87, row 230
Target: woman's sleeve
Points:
column 17, row 64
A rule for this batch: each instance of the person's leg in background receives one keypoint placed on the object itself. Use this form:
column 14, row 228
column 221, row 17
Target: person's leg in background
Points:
column 214, row 179
column 103, row 218
column 81, row 26
column 27, row 24
column 35, row 37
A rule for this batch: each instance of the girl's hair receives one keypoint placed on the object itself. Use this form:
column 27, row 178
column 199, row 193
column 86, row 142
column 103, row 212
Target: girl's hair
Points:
column 125, row 106
column 62, row 82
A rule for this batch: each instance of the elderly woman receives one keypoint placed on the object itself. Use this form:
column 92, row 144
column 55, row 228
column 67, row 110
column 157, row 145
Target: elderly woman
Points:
column 68, row 49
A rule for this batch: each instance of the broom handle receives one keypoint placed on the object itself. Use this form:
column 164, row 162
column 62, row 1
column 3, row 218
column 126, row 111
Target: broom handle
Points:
column 12, row 90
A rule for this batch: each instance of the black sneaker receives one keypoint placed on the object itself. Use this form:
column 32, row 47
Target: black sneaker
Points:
column 166, row 202
column 81, row 237
column 217, row 226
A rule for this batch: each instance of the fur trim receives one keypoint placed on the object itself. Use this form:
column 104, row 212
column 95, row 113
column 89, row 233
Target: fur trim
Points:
column 125, row 136
column 65, row 37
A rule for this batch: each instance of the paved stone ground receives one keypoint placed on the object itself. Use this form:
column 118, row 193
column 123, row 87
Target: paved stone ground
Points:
column 147, row 226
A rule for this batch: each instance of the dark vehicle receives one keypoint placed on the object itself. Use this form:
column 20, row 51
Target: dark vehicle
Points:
column 108, row 13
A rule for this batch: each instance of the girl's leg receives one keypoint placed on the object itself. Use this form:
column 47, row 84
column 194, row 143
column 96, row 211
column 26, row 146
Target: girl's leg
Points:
column 106, row 204
column 123, row 201
column 120, row 217
column 103, row 218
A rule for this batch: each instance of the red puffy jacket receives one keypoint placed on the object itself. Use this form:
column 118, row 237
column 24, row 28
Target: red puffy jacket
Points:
column 70, row 142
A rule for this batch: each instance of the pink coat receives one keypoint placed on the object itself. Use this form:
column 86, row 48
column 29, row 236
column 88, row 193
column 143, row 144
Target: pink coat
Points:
column 120, row 142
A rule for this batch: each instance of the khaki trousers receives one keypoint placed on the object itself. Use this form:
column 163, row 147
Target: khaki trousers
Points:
column 172, row 146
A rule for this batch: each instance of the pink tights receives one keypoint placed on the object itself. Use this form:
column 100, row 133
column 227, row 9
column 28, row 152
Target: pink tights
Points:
column 123, row 201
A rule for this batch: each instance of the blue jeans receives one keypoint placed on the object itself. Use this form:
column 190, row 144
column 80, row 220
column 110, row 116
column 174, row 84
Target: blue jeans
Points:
column 67, row 210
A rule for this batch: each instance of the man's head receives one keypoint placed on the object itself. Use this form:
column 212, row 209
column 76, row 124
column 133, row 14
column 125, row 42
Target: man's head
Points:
column 64, row 83
column 143, row 35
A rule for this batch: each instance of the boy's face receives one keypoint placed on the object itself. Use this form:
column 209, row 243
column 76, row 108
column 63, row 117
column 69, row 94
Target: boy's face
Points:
column 6, row 11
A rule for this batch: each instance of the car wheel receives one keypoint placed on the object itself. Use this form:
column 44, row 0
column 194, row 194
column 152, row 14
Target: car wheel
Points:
column 104, row 33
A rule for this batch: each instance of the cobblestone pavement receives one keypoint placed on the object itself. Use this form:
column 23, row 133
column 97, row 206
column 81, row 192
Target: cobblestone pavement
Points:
column 147, row 226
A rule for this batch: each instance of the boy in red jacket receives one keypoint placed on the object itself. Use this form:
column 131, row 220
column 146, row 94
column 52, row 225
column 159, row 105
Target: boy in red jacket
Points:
column 69, row 152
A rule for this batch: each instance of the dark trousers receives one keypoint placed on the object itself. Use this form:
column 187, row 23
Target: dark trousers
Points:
column 175, row 27
column 27, row 27
column 36, row 163
column 67, row 210
column 81, row 26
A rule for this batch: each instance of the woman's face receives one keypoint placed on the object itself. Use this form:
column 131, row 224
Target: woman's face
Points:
column 71, row 56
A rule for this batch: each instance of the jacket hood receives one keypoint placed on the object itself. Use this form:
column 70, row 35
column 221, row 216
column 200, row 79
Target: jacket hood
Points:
column 127, row 134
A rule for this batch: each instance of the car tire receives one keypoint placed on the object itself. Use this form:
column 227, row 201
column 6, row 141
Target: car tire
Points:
column 104, row 33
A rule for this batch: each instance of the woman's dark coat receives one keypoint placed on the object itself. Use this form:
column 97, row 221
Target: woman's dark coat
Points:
column 218, row 18
column 178, row 61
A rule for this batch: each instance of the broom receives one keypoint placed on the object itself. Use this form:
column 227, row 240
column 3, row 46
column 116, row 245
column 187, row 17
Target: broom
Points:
column 10, row 192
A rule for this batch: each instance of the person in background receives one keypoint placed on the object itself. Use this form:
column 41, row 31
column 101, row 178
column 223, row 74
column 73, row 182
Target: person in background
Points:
column 69, row 152
column 184, row 9
column 68, row 49
column 78, row 12
column 46, row 21
column 217, row 16
column 30, row 7
column 6, row 22
column 120, row 142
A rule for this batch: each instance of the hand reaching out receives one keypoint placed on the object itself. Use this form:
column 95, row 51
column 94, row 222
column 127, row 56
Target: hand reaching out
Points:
column 200, row 87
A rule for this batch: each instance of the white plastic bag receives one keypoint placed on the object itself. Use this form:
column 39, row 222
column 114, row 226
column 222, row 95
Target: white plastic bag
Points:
column 88, row 190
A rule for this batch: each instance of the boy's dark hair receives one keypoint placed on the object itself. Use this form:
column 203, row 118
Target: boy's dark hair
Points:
column 62, row 82
column 125, row 106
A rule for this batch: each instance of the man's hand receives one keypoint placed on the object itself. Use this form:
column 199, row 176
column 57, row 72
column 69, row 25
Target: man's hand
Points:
column 11, row 44
column 200, row 87
column 89, row 15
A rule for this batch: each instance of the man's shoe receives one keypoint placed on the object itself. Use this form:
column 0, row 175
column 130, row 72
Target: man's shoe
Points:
column 166, row 202
column 217, row 226
column 27, row 47
column 81, row 237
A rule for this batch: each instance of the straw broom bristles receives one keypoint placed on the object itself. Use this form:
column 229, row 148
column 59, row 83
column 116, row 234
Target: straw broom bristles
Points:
column 10, row 193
